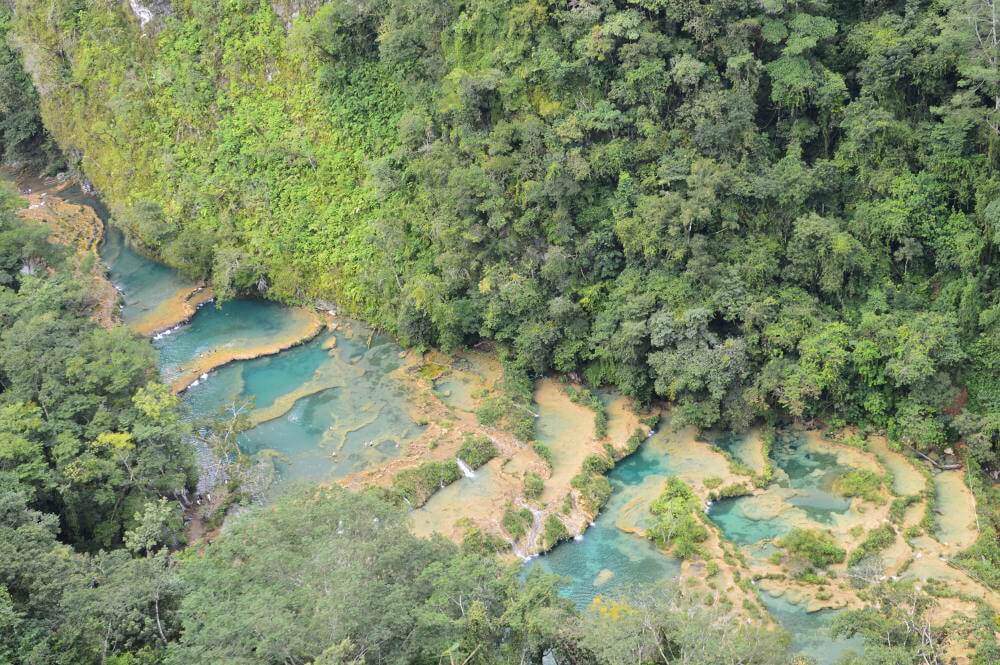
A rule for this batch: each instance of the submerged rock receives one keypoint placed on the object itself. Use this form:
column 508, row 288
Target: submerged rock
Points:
column 603, row 577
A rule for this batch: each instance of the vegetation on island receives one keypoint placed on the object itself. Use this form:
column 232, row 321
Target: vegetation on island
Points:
column 477, row 450
column 808, row 550
column 862, row 483
column 678, row 526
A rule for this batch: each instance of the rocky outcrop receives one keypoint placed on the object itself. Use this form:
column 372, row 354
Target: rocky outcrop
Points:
column 289, row 10
column 150, row 13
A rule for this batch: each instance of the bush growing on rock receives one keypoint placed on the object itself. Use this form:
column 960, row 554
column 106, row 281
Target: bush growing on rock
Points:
column 811, row 548
column 678, row 526
column 594, row 490
column 862, row 483
column 477, row 450
column 554, row 531
column 533, row 485
column 544, row 452
column 419, row 484
column 517, row 521
column 878, row 539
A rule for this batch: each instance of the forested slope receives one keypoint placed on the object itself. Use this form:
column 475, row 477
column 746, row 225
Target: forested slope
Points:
column 750, row 209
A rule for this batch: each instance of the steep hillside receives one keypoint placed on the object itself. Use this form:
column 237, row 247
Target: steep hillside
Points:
column 748, row 209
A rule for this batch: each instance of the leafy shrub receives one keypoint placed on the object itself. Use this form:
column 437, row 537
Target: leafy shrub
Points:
column 633, row 442
column 501, row 410
column 767, row 440
column 878, row 539
column 419, row 484
column 594, row 490
column 516, row 522
column 712, row 482
column 533, row 485
column 862, row 483
column 597, row 464
column 544, row 452
column 678, row 526
column 897, row 510
column 477, row 541
column 477, row 450
column 812, row 547
column 731, row 490
column 491, row 410
column 554, row 531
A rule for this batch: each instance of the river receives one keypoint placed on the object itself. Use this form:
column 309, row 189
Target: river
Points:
column 330, row 407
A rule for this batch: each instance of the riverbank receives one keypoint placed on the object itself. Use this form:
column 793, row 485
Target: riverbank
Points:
column 443, row 394
column 176, row 310
column 75, row 226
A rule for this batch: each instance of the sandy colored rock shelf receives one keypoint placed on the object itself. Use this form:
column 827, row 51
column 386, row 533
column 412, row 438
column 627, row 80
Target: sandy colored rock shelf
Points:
column 176, row 310
column 80, row 228
column 304, row 325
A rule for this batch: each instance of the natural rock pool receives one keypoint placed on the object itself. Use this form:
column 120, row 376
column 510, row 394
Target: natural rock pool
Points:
column 327, row 410
column 330, row 407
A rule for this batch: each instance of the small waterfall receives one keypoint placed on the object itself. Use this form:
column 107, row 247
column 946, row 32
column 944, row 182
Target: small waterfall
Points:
column 466, row 469
column 517, row 551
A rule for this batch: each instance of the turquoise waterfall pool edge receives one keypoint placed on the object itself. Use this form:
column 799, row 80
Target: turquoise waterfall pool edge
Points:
column 607, row 560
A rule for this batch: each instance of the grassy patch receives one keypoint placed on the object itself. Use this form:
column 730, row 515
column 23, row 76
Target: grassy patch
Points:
column 811, row 548
column 678, row 525
column 533, row 485
column 516, row 522
column 878, row 539
column 554, row 531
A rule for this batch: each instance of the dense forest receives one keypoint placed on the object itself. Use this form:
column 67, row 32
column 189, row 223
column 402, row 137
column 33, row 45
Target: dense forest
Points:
column 748, row 209
column 753, row 210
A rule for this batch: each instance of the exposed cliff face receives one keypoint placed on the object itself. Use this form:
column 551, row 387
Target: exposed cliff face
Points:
column 289, row 10
column 150, row 13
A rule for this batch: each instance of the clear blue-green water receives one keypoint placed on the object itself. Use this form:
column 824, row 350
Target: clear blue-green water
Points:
column 807, row 476
column 739, row 528
column 143, row 283
column 357, row 416
column 631, row 560
column 236, row 324
column 734, row 444
column 810, row 632
column 340, row 430
column 352, row 414
column 811, row 474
